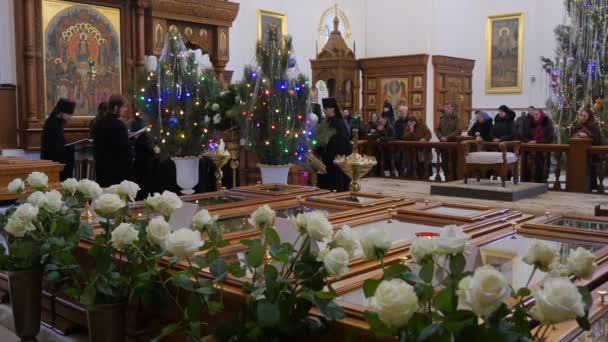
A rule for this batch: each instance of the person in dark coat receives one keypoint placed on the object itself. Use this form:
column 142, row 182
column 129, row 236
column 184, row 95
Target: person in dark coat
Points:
column 145, row 161
column 522, row 125
column 111, row 146
column 102, row 109
column 503, row 129
column 482, row 128
column 387, row 112
column 338, row 144
column 372, row 125
column 540, row 132
column 53, row 138
column 588, row 127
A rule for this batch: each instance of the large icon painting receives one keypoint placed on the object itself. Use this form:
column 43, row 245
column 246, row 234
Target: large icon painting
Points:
column 75, row 36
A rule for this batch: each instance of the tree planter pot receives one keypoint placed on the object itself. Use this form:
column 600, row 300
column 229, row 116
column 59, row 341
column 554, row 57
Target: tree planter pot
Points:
column 107, row 322
column 274, row 174
column 26, row 291
column 186, row 172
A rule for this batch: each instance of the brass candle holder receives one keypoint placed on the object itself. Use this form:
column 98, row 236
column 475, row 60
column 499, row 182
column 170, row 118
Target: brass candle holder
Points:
column 87, row 215
column 234, row 149
column 355, row 165
column 219, row 160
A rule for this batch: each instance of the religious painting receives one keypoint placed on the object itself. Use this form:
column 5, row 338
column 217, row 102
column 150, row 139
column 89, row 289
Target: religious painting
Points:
column 371, row 84
column 348, row 93
column 417, row 114
column 223, row 44
column 158, row 36
column 82, row 55
column 418, row 82
column 417, row 100
column 395, row 91
column 371, row 100
column 504, row 53
column 271, row 20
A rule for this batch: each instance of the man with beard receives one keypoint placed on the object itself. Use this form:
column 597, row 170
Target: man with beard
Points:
column 53, row 139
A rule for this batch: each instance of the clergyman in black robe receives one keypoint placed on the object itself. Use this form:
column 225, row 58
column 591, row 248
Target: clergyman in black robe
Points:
column 339, row 144
column 53, row 139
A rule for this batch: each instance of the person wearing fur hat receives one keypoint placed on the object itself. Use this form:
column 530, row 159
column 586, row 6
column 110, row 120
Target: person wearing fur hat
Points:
column 482, row 127
column 503, row 129
column 587, row 127
column 53, row 138
column 338, row 144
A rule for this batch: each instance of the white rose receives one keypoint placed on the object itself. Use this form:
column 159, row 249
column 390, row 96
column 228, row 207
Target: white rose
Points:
column 26, row 212
column 345, row 238
column 123, row 236
column 38, row 180
column 128, row 189
column 557, row 301
column 336, row 262
column 53, row 202
column 450, row 241
column 16, row 186
column 108, row 204
column 217, row 119
column 36, row 199
column 112, row 189
column 158, row 231
column 421, row 248
column 557, row 269
column 318, row 226
column 203, row 219
column 299, row 222
column 70, row 185
column 375, row 243
column 183, row 243
column 168, row 203
column 485, row 291
column 215, row 107
column 395, row 301
column 89, row 189
column 581, row 263
column 152, row 202
column 262, row 217
column 541, row 255
column 18, row 228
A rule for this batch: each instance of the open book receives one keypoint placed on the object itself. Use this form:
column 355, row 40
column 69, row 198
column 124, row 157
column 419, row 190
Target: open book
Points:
column 80, row 142
column 135, row 134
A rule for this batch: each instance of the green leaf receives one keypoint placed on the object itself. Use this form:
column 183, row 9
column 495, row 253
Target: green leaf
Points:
column 195, row 308
column 424, row 292
column 303, row 307
column 329, row 309
column 445, row 300
column 583, row 322
column 255, row 256
column 185, row 282
column 219, row 269
column 377, row 326
column 206, row 291
column 426, row 272
column 370, row 286
column 457, row 264
column 168, row 330
column 521, row 324
column 434, row 333
column 270, row 273
column 395, row 270
column 267, row 314
column 522, row 292
column 459, row 320
column 236, row 269
column 587, row 298
column 272, row 237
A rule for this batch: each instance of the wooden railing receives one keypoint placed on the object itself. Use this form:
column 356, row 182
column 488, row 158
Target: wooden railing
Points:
column 577, row 160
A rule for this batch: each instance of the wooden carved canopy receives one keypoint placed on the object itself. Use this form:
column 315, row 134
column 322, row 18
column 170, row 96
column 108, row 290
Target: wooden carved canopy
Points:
column 203, row 23
column 453, row 79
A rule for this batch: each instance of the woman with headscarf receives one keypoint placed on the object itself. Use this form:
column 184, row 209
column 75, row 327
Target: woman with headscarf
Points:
column 540, row 132
column 53, row 138
column 588, row 127
column 338, row 144
column 503, row 128
column 482, row 128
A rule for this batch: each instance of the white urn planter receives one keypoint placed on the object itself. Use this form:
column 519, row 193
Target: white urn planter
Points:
column 274, row 174
column 186, row 173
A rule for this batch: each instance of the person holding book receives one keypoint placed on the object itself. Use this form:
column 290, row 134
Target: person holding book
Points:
column 53, row 145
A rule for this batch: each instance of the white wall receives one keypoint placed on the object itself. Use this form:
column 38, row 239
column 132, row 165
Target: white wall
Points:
column 7, row 42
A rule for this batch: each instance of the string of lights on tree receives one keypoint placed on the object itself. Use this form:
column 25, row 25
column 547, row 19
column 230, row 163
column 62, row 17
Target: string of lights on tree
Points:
column 275, row 104
column 183, row 104
column 579, row 73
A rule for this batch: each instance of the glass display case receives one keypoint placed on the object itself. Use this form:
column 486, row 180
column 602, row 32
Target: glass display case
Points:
column 456, row 211
column 278, row 190
column 583, row 224
column 361, row 199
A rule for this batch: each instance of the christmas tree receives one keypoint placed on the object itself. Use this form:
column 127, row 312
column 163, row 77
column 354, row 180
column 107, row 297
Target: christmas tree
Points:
column 275, row 104
column 578, row 75
column 183, row 104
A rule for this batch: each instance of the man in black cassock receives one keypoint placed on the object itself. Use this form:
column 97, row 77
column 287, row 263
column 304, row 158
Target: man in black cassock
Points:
column 53, row 139
column 339, row 144
column 112, row 151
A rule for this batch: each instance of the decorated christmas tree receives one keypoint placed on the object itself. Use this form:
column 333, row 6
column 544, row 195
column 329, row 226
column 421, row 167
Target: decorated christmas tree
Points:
column 578, row 75
column 183, row 103
column 275, row 104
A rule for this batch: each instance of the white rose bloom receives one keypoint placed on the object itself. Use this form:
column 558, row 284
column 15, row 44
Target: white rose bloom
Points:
column 128, row 189
column 421, row 248
column 299, row 222
column 318, row 226
column 108, row 204
column 557, row 301
column 70, row 185
column 450, row 241
column 215, row 107
column 581, row 263
column 183, row 243
column 345, row 238
column 336, row 262
column 375, row 242
column 169, row 202
column 16, row 186
column 557, row 269
column 395, row 301
column 18, row 228
column 53, row 202
column 541, row 255
column 36, row 199
column 123, row 236
column 112, row 189
column 158, row 231
column 153, row 202
column 262, row 217
column 89, row 189
column 26, row 212
column 38, row 180
column 485, row 291
column 203, row 219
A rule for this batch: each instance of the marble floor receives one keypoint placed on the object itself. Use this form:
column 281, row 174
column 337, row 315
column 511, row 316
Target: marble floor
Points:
column 553, row 201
